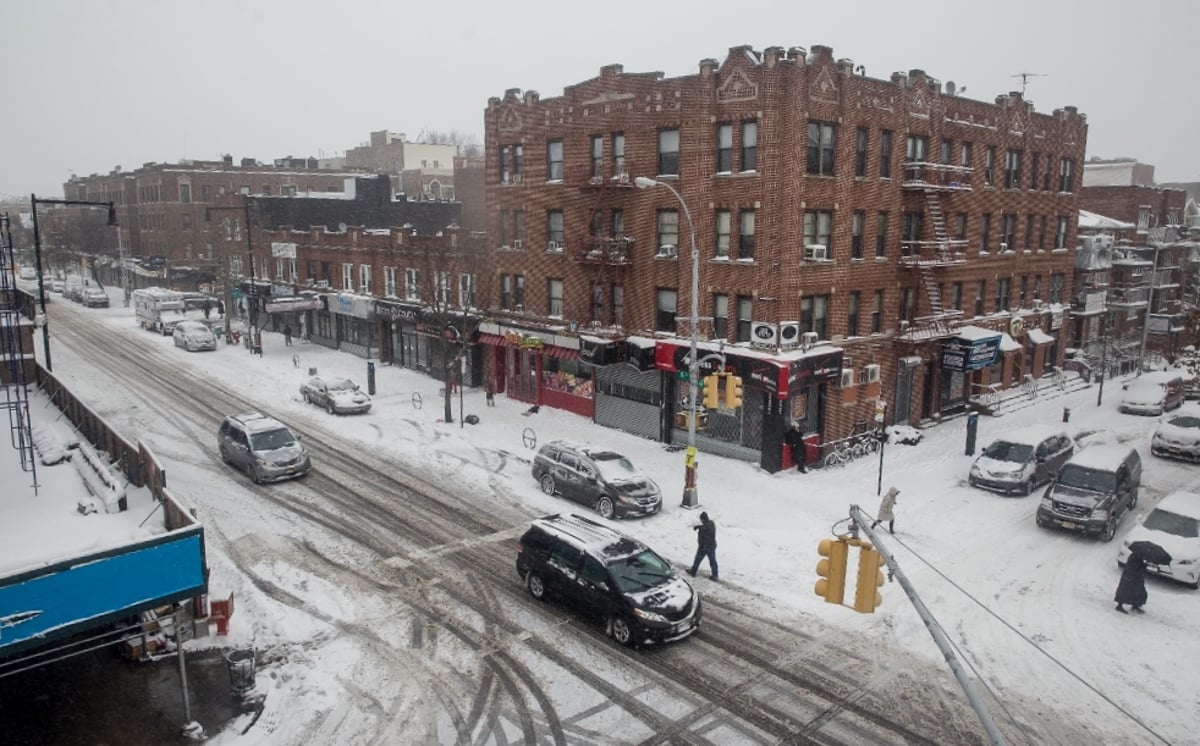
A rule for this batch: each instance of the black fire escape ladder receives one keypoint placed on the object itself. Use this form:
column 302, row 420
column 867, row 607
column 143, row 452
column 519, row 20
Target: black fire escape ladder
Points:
column 12, row 349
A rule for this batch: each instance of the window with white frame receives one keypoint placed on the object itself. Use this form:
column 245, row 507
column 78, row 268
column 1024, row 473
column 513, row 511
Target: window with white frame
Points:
column 554, row 160
column 722, row 224
column 554, row 230
column 389, row 282
column 818, row 229
column 720, row 316
column 442, row 287
column 822, row 141
column 597, row 157
column 1012, row 169
column 1060, row 234
column 724, row 148
column 668, row 229
column 364, row 278
column 412, row 284
column 554, row 296
column 664, row 317
column 618, row 153
column 745, row 248
column 466, row 290
column 750, row 145
column 668, row 152
column 348, row 277
column 618, row 304
column 1066, row 175
column 1143, row 218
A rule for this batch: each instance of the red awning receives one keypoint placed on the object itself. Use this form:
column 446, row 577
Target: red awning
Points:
column 562, row 353
column 492, row 339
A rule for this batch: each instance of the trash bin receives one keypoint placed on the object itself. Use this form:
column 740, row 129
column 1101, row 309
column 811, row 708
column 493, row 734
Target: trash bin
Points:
column 371, row 378
column 241, row 670
column 1066, row 414
column 972, row 427
column 312, row 371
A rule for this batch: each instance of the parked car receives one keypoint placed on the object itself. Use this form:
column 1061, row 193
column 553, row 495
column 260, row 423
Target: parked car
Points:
column 596, row 477
column 1177, row 436
column 1020, row 461
column 1174, row 525
column 194, row 335
column 1093, row 491
column 56, row 286
column 1153, row 394
column 336, row 395
column 610, row 576
column 262, row 447
column 94, row 298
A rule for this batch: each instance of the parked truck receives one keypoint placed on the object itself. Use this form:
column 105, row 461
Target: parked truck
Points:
column 158, row 309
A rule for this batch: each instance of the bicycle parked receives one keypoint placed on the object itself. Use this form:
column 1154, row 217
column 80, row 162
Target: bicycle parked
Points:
column 864, row 439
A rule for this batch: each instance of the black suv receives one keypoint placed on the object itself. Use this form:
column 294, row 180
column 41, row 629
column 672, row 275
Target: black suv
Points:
column 610, row 576
column 596, row 477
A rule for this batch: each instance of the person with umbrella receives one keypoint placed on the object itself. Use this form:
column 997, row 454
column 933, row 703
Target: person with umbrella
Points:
column 1132, row 588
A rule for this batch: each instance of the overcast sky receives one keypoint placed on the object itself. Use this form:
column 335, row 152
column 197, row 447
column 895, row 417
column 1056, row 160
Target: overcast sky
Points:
column 95, row 85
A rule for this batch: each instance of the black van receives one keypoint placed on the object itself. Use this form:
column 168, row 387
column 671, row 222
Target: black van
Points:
column 609, row 576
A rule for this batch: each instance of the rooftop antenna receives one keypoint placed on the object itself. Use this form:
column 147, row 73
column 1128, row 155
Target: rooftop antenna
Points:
column 1025, row 78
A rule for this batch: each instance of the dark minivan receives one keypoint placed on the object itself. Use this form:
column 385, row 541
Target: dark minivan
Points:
column 609, row 576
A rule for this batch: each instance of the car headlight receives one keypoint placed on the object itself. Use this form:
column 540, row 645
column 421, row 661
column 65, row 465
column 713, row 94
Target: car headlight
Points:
column 1047, row 503
column 974, row 470
column 1099, row 515
column 649, row 616
column 622, row 498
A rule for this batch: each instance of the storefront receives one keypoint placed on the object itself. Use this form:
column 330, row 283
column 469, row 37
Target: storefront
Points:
column 354, row 324
column 402, row 335
column 291, row 313
column 629, row 389
column 539, row 367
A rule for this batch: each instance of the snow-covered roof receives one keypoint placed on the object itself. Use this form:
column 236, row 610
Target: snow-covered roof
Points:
column 1094, row 221
column 1183, row 503
column 1008, row 344
column 973, row 333
column 1039, row 337
column 1103, row 457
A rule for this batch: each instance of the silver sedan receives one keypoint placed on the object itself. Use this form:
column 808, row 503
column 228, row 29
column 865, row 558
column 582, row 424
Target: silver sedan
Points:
column 336, row 395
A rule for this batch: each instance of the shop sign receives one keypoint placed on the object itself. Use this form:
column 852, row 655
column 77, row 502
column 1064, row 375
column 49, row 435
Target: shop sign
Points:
column 283, row 250
column 397, row 312
column 967, row 355
column 358, row 306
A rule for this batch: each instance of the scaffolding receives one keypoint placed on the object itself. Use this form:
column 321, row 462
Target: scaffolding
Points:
column 12, row 350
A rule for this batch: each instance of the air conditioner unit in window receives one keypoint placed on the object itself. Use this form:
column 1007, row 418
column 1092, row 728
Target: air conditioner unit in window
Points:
column 1037, row 304
column 519, row 308
column 903, row 326
column 764, row 334
column 816, row 251
column 516, row 179
column 808, row 339
column 789, row 334
column 1003, row 248
column 516, row 244
column 870, row 374
column 322, row 283
column 553, row 246
column 847, row 378
column 667, row 251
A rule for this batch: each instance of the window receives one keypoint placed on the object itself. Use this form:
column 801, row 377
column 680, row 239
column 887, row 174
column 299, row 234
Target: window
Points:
column 861, row 141
column 750, row 145
column 1037, row 286
column 185, row 192
column 618, row 304
column 910, row 235
column 505, row 292
column 856, row 234
column 1057, row 281
column 720, row 316
column 908, row 303
column 985, row 233
column 1042, row 234
column 519, row 291
column 348, row 277
column 618, row 223
column 441, row 288
column 724, row 148
column 1060, row 234
column 852, row 313
column 881, row 231
column 518, row 167
column 668, row 152
column 466, row 290
column 989, row 166
column 980, row 294
column 821, row 142
column 1143, row 218
column 1002, row 287
column 746, row 234
column 1033, row 170
column 947, row 151
column 664, row 318
column 554, row 297
column 412, row 286
column 956, row 296
column 518, row 227
column 960, row 227
column 814, row 313
column 668, row 231
column 364, row 278
column 722, row 224
column 885, row 154
column 554, row 230
column 185, row 221
column 598, row 302
column 1008, row 232
column 818, row 226
column 266, row 189
column 1066, row 171
column 505, row 173
column 618, row 153
column 597, row 157
column 205, row 192
column 389, row 281
column 1012, row 169
column 915, row 148
column 1023, row 292
column 745, row 311
column 1028, row 232
column 877, row 313
column 554, row 160
column 966, row 154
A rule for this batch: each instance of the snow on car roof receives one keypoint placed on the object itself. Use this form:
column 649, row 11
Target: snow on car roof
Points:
column 1032, row 435
column 1100, row 456
column 1183, row 503
column 603, row 542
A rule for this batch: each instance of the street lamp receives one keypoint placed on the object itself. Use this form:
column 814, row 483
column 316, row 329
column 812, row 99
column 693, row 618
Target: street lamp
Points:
column 37, row 254
column 690, row 499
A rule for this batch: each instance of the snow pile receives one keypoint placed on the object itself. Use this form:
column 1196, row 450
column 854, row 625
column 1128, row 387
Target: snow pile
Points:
column 99, row 477
column 53, row 444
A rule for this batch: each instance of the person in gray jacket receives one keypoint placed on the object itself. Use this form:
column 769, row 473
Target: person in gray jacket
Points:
column 887, row 510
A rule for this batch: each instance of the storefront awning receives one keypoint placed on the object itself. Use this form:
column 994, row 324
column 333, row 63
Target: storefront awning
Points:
column 491, row 339
column 561, row 353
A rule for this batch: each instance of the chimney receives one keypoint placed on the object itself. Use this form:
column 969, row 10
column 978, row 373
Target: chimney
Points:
column 531, row 97
column 708, row 66
column 772, row 56
column 227, row 159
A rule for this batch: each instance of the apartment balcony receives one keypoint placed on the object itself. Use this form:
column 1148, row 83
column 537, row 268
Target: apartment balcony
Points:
column 1128, row 298
column 941, row 177
column 1089, row 303
column 605, row 250
column 933, row 253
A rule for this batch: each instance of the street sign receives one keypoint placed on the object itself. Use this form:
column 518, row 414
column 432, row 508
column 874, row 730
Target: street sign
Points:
column 683, row 375
column 880, row 408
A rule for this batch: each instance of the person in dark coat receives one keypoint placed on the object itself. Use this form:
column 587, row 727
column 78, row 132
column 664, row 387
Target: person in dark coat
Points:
column 1132, row 588
column 794, row 439
column 706, row 545
column 287, row 335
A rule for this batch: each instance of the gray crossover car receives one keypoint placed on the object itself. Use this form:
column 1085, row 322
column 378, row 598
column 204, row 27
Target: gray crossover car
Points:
column 596, row 477
column 262, row 447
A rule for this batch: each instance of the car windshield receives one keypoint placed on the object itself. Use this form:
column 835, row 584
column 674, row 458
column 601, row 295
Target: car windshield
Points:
column 1146, row 391
column 269, row 440
column 640, row 571
column 1172, row 523
column 1083, row 478
column 1002, row 450
column 615, row 468
column 1184, row 421
column 341, row 384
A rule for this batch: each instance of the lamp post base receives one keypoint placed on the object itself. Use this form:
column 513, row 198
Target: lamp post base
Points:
column 690, row 499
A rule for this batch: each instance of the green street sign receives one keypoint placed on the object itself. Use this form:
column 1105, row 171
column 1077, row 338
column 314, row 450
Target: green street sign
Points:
column 682, row 375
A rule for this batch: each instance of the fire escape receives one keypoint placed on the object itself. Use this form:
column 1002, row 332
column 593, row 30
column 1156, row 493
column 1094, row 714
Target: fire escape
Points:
column 605, row 253
column 933, row 183
column 12, row 347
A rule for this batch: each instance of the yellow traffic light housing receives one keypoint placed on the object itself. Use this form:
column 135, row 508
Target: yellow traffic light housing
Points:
column 712, row 391
column 870, row 578
column 831, row 586
column 733, row 392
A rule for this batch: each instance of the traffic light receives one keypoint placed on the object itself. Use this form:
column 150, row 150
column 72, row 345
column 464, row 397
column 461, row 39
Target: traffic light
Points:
column 712, row 391
column 733, row 392
column 831, row 586
column 870, row 577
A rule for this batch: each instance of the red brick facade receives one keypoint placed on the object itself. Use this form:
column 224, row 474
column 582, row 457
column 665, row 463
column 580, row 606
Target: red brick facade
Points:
column 1144, row 206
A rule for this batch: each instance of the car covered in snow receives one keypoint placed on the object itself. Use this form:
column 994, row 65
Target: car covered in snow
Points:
column 1174, row 525
column 336, row 395
column 194, row 335
column 1020, row 461
column 94, row 297
column 596, row 477
column 1177, row 436
column 1153, row 394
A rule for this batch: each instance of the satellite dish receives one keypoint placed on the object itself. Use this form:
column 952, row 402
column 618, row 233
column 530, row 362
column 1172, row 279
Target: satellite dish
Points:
column 950, row 88
column 341, row 227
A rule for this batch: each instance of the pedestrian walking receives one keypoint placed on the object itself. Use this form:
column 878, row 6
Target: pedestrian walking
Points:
column 887, row 510
column 490, row 389
column 706, row 546
column 1132, row 588
column 287, row 335
column 794, row 438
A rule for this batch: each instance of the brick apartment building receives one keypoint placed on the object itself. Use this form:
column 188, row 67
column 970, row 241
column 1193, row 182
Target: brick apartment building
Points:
column 860, row 241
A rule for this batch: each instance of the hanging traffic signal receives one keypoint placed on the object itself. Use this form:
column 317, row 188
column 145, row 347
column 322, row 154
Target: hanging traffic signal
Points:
column 831, row 586
column 733, row 392
column 712, row 391
column 870, row 578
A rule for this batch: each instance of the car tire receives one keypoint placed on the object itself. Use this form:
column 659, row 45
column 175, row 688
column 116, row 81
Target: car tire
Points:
column 1038, row 520
column 605, row 507
column 1133, row 501
column 329, row 408
column 1027, row 488
column 307, row 398
column 547, row 483
column 620, row 630
column 254, row 476
column 224, row 455
column 535, row 585
column 1110, row 530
